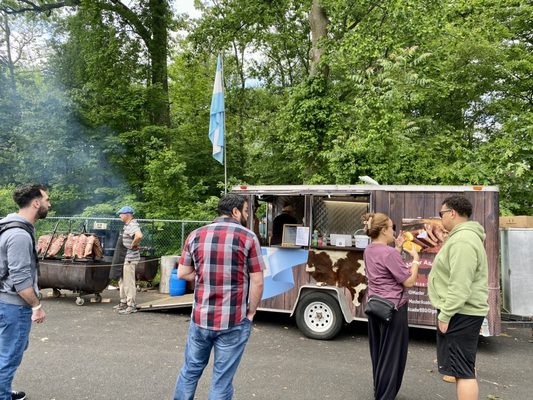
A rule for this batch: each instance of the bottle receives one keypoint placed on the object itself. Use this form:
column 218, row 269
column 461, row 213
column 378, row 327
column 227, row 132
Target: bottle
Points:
column 314, row 240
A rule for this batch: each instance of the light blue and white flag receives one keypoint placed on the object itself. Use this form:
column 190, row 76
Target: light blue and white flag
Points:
column 216, row 120
column 278, row 275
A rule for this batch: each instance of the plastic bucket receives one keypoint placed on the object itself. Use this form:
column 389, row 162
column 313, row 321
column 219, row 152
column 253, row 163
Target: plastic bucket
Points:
column 177, row 286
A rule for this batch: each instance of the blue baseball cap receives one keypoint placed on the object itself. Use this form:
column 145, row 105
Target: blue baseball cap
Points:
column 126, row 210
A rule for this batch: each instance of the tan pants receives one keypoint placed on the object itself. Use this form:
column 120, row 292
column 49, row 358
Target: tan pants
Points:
column 126, row 284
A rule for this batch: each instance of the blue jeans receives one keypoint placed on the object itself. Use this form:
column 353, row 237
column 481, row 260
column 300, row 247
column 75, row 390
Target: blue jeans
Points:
column 15, row 325
column 229, row 346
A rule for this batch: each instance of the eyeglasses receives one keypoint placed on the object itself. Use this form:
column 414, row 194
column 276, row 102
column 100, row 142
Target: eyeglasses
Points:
column 441, row 213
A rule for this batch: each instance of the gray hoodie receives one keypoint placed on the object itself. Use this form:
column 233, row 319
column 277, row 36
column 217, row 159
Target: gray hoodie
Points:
column 18, row 260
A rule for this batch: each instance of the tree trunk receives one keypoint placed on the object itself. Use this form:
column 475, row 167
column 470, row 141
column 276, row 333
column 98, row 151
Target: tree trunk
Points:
column 318, row 21
column 158, row 49
column 9, row 57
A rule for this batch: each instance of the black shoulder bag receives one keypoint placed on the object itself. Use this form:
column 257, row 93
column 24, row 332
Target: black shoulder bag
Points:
column 381, row 308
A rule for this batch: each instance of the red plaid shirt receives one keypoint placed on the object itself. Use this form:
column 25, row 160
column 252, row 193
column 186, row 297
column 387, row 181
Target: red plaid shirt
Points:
column 223, row 254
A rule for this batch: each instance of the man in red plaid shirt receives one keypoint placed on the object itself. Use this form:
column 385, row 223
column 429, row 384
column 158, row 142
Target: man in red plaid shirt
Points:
column 224, row 258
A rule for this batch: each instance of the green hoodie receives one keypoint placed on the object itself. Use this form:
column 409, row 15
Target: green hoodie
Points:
column 458, row 281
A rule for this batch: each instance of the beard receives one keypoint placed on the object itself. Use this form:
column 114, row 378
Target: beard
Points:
column 243, row 221
column 42, row 212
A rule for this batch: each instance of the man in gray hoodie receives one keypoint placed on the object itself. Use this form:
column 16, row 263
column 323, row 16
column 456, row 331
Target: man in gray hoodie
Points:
column 19, row 304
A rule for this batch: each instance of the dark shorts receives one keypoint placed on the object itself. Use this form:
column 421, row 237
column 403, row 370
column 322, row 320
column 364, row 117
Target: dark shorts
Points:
column 456, row 349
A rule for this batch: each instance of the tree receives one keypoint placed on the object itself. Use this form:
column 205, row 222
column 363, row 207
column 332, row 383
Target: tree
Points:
column 149, row 20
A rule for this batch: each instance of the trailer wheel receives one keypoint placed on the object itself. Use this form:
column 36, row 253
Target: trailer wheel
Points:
column 56, row 293
column 319, row 316
column 80, row 301
column 97, row 298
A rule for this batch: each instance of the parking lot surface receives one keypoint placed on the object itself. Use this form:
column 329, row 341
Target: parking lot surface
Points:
column 90, row 352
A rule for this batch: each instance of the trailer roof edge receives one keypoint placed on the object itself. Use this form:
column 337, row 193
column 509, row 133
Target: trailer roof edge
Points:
column 303, row 189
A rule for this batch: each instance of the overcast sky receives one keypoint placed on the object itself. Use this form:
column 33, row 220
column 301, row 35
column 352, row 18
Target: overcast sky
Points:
column 186, row 6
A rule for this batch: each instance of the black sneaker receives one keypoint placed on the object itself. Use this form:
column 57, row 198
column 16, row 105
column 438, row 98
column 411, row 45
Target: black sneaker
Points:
column 18, row 395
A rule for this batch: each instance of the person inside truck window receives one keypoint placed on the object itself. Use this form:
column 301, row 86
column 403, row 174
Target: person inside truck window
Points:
column 388, row 280
column 286, row 217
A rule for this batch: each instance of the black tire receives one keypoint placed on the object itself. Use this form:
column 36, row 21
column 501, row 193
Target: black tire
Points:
column 319, row 316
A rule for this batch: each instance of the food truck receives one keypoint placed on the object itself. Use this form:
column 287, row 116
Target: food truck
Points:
column 316, row 272
column 329, row 288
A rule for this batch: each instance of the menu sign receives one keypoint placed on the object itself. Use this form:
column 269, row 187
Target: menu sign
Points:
column 427, row 235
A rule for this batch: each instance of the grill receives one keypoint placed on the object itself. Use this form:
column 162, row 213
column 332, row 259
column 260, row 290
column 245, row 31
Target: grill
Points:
column 89, row 277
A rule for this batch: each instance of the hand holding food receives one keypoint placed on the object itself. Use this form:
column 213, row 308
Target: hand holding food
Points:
column 409, row 245
column 399, row 241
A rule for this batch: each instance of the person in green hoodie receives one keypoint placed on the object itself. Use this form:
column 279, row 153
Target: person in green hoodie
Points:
column 458, row 289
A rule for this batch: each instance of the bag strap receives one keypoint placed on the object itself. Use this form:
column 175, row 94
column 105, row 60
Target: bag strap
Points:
column 21, row 225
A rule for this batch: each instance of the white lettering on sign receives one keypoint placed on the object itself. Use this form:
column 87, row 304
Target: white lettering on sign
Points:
column 412, row 301
column 422, row 310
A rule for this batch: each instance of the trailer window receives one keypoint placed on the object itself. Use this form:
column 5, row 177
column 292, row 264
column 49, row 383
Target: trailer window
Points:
column 339, row 215
column 283, row 210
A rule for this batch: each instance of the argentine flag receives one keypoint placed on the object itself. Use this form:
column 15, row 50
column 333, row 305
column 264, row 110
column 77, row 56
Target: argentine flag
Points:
column 216, row 121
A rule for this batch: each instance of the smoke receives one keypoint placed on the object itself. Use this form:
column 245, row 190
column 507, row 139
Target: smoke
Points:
column 43, row 136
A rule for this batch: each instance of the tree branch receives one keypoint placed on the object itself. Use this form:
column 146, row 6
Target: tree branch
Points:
column 131, row 18
column 115, row 6
column 31, row 6
column 358, row 21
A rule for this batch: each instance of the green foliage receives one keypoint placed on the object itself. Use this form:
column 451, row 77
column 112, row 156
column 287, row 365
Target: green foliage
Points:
column 100, row 66
column 7, row 205
column 418, row 92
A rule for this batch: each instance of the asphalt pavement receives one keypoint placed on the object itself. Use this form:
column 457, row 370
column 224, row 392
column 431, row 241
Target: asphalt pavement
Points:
column 90, row 352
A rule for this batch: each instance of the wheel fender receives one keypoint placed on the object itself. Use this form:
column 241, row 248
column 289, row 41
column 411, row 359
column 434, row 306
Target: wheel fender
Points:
column 336, row 292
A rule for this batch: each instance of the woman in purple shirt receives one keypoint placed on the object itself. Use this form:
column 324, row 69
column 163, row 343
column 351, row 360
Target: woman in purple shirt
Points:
column 388, row 277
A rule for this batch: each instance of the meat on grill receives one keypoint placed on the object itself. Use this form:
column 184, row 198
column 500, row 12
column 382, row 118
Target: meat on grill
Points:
column 55, row 247
column 88, row 252
column 79, row 247
column 98, row 251
column 76, row 246
column 42, row 243
column 71, row 239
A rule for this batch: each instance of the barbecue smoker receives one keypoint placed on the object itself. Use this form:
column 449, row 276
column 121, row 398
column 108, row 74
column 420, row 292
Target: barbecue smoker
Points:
column 73, row 262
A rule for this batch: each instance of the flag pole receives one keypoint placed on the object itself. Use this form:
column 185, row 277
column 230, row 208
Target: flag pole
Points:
column 217, row 120
column 224, row 122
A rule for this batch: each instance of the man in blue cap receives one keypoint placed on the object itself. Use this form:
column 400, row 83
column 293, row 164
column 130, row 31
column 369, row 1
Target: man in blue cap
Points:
column 131, row 237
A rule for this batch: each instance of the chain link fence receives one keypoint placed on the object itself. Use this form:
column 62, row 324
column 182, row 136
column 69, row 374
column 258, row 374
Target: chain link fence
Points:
column 160, row 236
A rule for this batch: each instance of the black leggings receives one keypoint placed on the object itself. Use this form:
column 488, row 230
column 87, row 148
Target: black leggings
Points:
column 388, row 351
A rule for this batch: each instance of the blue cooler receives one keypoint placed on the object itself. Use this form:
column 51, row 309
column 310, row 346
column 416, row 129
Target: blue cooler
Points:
column 177, row 286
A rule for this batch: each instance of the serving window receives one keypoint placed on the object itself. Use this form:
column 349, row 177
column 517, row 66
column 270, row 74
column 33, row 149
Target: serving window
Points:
column 337, row 219
column 273, row 213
